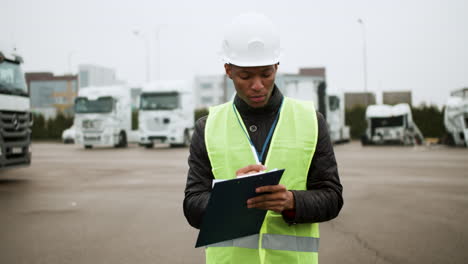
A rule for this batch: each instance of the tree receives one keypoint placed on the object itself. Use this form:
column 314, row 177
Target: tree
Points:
column 50, row 129
column 355, row 118
column 430, row 120
column 200, row 113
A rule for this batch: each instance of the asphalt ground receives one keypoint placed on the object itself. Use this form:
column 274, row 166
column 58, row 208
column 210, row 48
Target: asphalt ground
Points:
column 402, row 205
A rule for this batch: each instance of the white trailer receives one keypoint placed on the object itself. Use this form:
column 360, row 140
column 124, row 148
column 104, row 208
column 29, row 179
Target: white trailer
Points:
column 103, row 116
column 388, row 124
column 166, row 113
column 313, row 88
column 339, row 132
column 456, row 117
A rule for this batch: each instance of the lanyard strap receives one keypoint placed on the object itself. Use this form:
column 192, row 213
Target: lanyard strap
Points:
column 259, row 156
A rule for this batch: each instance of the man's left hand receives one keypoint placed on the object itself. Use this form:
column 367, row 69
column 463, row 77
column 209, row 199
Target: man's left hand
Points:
column 276, row 198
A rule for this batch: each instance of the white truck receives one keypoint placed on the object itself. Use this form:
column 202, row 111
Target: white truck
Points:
column 339, row 132
column 388, row 124
column 456, row 117
column 166, row 113
column 103, row 116
column 15, row 115
column 314, row 89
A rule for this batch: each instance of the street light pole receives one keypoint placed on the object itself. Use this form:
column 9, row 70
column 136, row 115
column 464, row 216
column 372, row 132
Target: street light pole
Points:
column 70, row 61
column 158, row 51
column 364, row 54
column 147, row 60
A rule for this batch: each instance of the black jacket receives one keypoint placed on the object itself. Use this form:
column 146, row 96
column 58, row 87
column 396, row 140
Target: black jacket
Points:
column 322, row 201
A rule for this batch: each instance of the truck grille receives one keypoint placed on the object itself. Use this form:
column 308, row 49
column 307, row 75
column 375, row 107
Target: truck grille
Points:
column 157, row 124
column 15, row 131
column 15, row 126
column 92, row 124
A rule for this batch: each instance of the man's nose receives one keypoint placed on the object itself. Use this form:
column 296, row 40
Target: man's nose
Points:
column 257, row 84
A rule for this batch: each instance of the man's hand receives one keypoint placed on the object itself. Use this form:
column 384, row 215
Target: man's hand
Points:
column 251, row 169
column 277, row 198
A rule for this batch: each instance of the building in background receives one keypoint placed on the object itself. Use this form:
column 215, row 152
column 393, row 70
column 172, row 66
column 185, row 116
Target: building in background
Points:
column 359, row 99
column 94, row 75
column 52, row 94
column 393, row 98
column 209, row 90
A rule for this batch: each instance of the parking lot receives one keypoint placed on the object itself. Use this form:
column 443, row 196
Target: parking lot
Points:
column 402, row 205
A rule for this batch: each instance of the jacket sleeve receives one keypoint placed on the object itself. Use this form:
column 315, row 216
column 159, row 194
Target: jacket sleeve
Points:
column 323, row 200
column 199, row 178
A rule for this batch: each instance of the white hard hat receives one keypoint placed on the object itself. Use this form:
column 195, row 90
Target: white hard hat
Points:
column 251, row 40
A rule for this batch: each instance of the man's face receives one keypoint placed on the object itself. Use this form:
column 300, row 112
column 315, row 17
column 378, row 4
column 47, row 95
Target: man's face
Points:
column 253, row 84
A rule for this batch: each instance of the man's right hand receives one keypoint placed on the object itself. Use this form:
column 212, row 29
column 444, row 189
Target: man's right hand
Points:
column 251, row 169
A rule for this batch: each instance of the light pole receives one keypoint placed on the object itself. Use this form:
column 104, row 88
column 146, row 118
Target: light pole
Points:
column 157, row 33
column 364, row 54
column 147, row 46
column 70, row 61
column 158, row 58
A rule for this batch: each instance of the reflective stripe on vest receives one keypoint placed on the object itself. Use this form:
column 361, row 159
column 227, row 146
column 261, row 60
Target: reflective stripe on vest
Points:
column 291, row 243
column 243, row 242
column 292, row 147
column 272, row 241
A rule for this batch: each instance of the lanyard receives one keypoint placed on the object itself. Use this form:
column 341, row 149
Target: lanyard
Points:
column 258, row 156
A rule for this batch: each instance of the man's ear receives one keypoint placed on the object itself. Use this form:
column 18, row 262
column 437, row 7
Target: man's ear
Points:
column 228, row 70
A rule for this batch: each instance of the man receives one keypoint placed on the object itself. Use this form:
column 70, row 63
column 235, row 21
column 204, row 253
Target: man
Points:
column 284, row 133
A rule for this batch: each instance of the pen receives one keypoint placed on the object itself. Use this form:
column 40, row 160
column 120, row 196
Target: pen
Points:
column 254, row 152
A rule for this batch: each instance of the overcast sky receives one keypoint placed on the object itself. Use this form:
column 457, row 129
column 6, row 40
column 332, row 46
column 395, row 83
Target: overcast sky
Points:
column 417, row 45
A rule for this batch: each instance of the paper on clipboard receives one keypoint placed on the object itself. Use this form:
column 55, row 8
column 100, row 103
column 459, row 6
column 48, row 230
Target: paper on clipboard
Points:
column 243, row 176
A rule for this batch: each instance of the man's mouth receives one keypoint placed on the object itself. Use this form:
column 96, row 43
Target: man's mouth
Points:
column 257, row 99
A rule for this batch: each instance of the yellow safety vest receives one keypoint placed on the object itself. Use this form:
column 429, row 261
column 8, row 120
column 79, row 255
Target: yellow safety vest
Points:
column 292, row 148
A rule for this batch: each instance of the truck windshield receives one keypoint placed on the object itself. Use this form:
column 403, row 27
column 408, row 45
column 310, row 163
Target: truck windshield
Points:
column 12, row 79
column 334, row 102
column 100, row 105
column 159, row 101
column 387, row 121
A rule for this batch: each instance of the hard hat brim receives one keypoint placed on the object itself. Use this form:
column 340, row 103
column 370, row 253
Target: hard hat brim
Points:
column 241, row 63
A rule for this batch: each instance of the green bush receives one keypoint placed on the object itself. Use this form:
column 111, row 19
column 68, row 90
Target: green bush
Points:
column 135, row 119
column 50, row 129
column 430, row 120
column 355, row 118
column 39, row 130
column 200, row 113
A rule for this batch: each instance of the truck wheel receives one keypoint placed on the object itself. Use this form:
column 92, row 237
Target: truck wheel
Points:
column 187, row 139
column 150, row 145
column 364, row 140
column 122, row 140
column 88, row 146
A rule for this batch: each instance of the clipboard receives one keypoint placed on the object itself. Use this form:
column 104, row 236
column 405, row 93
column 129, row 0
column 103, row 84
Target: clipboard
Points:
column 227, row 216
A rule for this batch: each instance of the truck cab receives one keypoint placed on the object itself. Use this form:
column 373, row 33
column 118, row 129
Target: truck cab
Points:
column 15, row 114
column 166, row 113
column 456, row 117
column 388, row 124
column 103, row 116
column 339, row 132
